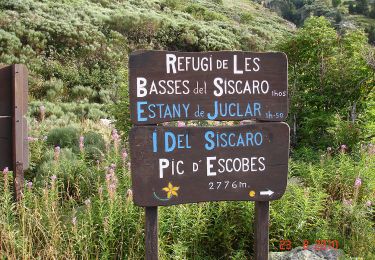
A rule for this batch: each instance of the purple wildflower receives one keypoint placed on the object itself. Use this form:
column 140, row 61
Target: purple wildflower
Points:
column 111, row 170
column 42, row 112
column 81, row 143
column 53, row 178
column 115, row 135
column 343, row 148
column 32, row 139
column 88, row 202
column 124, row 155
column 129, row 195
column 74, row 221
column 57, row 152
column 358, row 182
column 5, row 171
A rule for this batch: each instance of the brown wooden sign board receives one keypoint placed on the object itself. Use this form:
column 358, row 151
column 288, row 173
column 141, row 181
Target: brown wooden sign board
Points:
column 227, row 85
column 176, row 165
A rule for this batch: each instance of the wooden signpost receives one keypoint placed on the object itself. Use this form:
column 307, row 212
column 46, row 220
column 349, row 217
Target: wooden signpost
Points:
column 177, row 165
column 14, row 152
column 188, row 164
column 170, row 86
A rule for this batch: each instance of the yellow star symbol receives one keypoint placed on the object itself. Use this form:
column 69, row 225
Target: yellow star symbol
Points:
column 170, row 190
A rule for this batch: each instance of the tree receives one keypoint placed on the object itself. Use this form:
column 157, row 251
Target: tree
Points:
column 372, row 12
column 371, row 34
column 362, row 7
column 338, row 17
column 328, row 77
column 351, row 8
column 336, row 3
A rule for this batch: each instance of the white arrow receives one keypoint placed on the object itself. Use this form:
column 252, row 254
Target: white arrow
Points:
column 268, row 192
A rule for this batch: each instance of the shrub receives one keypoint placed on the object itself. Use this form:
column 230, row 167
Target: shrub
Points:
column 202, row 13
column 64, row 137
column 94, row 145
column 246, row 17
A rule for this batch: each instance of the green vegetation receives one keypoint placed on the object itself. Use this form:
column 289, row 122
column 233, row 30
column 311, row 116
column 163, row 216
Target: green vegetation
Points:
column 343, row 15
column 326, row 88
column 75, row 207
column 78, row 200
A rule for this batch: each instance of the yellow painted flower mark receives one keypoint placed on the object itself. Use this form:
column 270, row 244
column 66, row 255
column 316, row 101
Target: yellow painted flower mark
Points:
column 252, row 193
column 171, row 190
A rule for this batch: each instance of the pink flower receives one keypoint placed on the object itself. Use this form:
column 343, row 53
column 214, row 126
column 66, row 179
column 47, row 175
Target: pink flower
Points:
column 29, row 185
column 74, row 221
column 88, row 202
column 113, row 166
column 42, row 112
column 32, row 139
column 124, row 155
column 129, row 195
column 343, row 148
column 57, row 152
column 81, row 144
column 108, row 176
column 111, row 170
column 116, row 140
column 358, row 182
column 5, row 171
column 53, row 177
column 115, row 135
column 368, row 203
column 181, row 124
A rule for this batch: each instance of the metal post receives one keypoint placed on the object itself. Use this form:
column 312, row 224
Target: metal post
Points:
column 151, row 233
column 262, row 216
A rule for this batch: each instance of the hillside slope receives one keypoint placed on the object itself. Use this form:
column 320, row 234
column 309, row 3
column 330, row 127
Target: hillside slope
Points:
column 77, row 50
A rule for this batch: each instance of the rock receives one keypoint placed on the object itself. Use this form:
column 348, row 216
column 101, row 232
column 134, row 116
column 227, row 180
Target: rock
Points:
column 310, row 253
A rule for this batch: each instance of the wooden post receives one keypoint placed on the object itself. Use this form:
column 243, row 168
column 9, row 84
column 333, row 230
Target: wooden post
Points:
column 19, row 127
column 152, row 249
column 262, row 216
column 18, row 180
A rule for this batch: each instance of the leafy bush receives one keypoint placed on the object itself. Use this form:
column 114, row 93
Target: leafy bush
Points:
column 94, row 145
column 64, row 137
column 202, row 13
